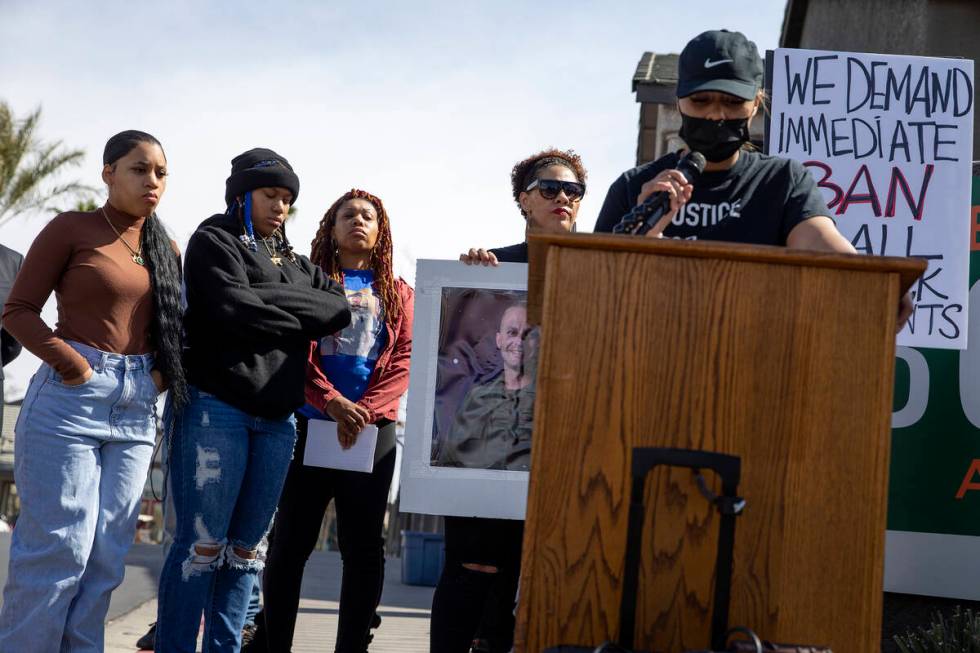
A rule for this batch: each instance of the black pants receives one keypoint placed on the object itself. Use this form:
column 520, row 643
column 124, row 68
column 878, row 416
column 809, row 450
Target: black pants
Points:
column 470, row 604
column 361, row 500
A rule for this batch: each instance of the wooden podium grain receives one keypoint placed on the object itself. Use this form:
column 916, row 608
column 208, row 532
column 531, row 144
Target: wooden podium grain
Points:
column 784, row 358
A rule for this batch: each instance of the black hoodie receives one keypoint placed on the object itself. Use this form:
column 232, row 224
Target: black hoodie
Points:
column 249, row 322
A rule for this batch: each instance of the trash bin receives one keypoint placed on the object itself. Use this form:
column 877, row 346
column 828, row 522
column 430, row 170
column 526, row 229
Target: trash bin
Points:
column 423, row 555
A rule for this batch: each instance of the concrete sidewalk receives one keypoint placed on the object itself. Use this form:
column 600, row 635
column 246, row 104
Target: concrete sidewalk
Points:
column 404, row 612
column 143, row 564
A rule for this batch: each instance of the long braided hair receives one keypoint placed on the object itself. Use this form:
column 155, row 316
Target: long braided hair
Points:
column 326, row 253
column 166, row 329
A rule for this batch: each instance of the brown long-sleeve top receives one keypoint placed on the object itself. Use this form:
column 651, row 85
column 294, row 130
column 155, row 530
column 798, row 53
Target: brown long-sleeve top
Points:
column 104, row 297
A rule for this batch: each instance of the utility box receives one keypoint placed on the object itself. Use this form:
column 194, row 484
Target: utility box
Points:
column 423, row 556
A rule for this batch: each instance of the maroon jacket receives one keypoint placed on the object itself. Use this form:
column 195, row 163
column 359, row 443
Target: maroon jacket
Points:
column 390, row 378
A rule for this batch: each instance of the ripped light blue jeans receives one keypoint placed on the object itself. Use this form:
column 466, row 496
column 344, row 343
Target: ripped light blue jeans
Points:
column 80, row 460
column 227, row 469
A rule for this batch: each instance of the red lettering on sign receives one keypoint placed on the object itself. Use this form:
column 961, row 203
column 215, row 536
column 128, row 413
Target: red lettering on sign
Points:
column 968, row 482
column 824, row 182
column 868, row 197
column 863, row 191
column 899, row 181
column 975, row 229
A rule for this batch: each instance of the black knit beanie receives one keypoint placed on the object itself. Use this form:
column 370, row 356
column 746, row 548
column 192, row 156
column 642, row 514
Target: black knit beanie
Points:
column 260, row 168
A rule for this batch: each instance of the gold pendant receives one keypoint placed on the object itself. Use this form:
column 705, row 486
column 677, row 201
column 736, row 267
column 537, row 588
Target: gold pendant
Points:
column 137, row 259
column 276, row 261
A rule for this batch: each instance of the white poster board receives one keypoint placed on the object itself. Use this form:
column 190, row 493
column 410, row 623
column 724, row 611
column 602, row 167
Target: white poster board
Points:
column 889, row 140
column 456, row 356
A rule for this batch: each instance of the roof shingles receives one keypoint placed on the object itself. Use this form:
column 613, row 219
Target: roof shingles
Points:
column 656, row 69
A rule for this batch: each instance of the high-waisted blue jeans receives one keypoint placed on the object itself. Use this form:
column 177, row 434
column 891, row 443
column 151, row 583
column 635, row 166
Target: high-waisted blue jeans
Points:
column 80, row 459
column 227, row 469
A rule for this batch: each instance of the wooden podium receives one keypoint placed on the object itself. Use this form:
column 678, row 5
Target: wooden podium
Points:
column 784, row 358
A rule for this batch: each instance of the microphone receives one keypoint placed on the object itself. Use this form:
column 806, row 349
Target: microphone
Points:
column 645, row 216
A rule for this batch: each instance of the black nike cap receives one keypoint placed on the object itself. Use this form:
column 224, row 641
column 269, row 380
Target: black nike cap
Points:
column 720, row 60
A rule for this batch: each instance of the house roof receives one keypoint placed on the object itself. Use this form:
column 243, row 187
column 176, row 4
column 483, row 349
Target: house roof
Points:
column 793, row 18
column 655, row 79
column 656, row 69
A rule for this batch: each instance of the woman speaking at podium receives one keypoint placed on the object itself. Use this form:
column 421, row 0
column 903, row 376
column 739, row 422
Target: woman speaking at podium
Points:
column 742, row 195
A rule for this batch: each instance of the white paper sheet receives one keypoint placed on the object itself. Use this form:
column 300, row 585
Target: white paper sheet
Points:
column 323, row 448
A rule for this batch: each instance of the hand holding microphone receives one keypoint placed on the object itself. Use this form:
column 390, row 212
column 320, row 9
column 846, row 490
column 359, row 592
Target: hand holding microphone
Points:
column 675, row 188
column 662, row 197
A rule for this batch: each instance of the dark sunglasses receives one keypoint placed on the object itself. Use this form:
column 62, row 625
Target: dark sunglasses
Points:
column 549, row 188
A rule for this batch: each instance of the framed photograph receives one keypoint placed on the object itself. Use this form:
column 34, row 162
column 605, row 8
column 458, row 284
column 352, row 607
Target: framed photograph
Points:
column 471, row 392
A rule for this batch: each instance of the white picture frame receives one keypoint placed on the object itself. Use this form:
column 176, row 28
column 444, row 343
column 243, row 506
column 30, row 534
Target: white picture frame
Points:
column 426, row 485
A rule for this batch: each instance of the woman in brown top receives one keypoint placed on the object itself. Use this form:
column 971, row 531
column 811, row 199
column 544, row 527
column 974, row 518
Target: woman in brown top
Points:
column 87, row 425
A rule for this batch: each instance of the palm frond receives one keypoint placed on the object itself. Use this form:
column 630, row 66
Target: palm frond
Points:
column 28, row 165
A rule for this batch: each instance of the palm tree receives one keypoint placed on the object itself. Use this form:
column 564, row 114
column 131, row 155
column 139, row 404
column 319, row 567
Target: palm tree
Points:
column 87, row 203
column 28, row 166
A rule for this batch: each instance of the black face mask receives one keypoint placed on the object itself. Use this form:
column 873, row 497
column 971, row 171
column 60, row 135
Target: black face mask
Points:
column 715, row 139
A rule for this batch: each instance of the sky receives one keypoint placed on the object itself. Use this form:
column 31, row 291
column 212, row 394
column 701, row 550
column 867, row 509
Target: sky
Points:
column 427, row 105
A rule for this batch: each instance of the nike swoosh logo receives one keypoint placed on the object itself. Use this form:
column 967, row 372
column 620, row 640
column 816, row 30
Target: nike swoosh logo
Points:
column 708, row 63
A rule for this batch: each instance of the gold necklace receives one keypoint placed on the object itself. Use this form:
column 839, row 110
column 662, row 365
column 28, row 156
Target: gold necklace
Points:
column 136, row 253
column 275, row 258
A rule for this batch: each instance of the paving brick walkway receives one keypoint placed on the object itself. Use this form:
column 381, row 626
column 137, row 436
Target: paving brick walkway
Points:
column 404, row 613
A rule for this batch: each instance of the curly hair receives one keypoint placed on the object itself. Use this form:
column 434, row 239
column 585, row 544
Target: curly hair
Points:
column 326, row 254
column 525, row 171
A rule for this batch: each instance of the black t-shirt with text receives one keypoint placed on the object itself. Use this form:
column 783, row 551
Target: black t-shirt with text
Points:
column 758, row 200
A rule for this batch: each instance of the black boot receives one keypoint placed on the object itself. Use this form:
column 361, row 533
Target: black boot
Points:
column 375, row 622
column 148, row 641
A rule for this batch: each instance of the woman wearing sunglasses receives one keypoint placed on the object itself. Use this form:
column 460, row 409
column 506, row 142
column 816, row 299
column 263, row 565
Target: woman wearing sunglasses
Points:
column 473, row 605
column 548, row 188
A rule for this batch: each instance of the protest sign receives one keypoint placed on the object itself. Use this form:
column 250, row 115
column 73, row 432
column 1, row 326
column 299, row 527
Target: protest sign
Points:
column 889, row 141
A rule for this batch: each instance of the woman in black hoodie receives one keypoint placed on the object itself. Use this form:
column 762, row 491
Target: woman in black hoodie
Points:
column 253, row 306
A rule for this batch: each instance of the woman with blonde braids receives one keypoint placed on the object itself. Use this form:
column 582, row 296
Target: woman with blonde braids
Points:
column 355, row 377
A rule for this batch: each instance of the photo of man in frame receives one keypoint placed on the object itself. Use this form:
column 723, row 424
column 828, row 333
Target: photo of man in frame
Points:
column 485, row 381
